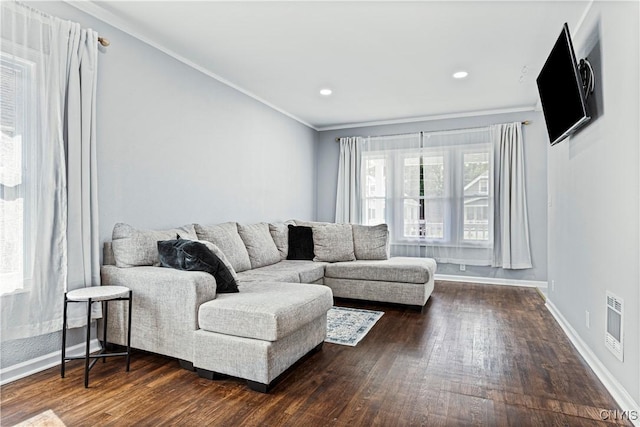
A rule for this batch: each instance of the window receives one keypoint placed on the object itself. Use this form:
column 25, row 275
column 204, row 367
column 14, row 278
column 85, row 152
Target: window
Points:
column 15, row 85
column 423, row 194
column 436, row 193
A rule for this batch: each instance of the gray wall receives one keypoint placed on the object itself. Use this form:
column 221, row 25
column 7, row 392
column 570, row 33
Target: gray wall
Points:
column 535, row 152
column 176, row 146
column 594, row 195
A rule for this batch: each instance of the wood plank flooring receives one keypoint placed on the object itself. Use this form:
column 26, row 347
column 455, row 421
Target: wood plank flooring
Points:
column 478, row 355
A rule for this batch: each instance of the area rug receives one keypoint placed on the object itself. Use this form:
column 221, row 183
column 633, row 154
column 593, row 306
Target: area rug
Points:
column 45, row 419
column 347, row 326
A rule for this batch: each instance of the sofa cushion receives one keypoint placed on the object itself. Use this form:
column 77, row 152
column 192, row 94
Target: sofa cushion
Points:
column 226, row 237
column 133, row 247
column 265, row 311
column 398, row 269
column 265, row 274
column 280, row 234
column 191, row 255
column 333, row 243
column 371, row 242
column 286, row 271
column 300, row 243
column 259, row 243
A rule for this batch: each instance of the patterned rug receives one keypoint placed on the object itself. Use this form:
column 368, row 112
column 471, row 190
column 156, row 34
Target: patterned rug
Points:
column 45, row 419
column 347, row 326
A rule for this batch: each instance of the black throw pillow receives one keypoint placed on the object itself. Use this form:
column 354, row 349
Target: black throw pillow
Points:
column 300, row 243
column 183, row 254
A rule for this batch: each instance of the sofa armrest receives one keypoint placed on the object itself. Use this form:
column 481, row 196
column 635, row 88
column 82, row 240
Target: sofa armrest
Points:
column 165, row 307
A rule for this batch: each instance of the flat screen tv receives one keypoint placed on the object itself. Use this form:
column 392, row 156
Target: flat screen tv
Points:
column 561, row 90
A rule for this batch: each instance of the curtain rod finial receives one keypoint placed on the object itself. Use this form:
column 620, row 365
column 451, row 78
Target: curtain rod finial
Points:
column 104, row 42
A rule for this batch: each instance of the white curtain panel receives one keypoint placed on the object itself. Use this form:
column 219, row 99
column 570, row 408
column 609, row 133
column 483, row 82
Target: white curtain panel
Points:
column 511, row 248
column 40, row 208
column 83, row 246
column 348, row 189
column 384, row 187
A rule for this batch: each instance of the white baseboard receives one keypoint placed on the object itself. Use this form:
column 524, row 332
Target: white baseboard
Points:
column 33, row 366
column 618, row 392
column 493, row 281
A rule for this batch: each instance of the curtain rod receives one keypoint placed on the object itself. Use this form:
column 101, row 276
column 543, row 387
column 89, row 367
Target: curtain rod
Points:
column 103, row 41
column 526, row 122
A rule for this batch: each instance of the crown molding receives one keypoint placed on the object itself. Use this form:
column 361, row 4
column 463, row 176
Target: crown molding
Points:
column 429, row 118
column 90, row 8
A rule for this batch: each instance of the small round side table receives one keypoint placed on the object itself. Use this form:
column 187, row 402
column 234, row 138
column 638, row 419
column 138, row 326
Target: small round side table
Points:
column 104, row 294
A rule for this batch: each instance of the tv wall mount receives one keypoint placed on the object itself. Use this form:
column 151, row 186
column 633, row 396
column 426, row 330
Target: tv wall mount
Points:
column 587, row 76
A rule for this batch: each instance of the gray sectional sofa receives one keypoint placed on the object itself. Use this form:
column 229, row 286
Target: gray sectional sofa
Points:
column 279, row 314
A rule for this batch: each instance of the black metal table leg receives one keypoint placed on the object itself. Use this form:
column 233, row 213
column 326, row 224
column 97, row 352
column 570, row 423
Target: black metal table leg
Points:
column 86, row 358
column 64, row 336
column 129, row 331
column 104, row 328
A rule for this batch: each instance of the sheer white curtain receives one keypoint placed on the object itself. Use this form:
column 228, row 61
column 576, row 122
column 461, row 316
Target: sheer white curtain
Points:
column 348, row 209
column 438, row 201
column 387, row 195
column 511, row 243
column 48, row 206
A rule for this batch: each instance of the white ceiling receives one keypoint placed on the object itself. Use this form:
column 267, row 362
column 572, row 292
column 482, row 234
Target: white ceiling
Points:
column 384, row 61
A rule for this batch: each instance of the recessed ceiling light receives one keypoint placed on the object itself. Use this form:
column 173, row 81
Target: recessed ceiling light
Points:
column 460, row 74
column 325, row 92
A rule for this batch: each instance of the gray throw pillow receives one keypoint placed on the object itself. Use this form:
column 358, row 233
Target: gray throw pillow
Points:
column 333, row 243
column 259, row 243
column 371, row 241
column 133, row 247
column 226, row 237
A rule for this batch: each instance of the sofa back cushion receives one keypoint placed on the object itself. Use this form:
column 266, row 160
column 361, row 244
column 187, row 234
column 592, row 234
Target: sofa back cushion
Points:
column 311, row 223
column 259, row 244
column 133, row 247
column 333, row 243
column 371, row 241
column 226, row 237
column 280, row 234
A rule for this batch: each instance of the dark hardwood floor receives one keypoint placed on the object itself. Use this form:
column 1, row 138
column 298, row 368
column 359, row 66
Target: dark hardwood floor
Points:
column 478, row 355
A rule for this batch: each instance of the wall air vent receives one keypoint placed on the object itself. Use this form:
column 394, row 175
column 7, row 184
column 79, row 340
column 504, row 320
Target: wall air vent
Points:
column 613, row 337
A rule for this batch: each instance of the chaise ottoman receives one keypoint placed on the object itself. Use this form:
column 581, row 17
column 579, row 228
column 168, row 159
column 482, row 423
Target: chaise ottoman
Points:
column 400, row 280
column 261, row 331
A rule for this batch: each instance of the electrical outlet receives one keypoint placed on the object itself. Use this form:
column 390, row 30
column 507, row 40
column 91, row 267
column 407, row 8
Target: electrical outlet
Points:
column 587, row 319
column 463, row 267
